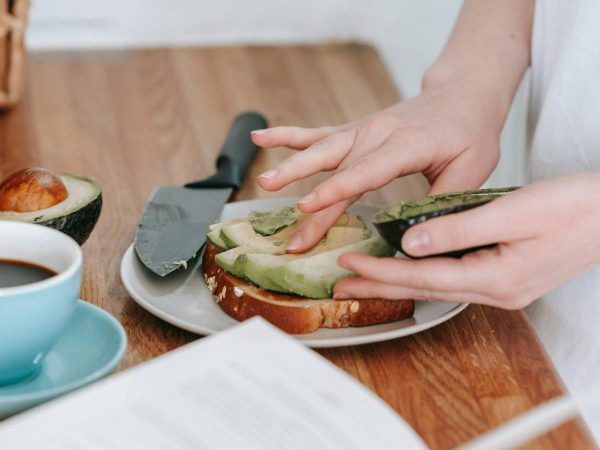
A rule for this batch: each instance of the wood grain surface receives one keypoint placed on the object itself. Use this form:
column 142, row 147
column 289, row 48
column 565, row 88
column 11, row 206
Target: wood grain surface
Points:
column 137, row 119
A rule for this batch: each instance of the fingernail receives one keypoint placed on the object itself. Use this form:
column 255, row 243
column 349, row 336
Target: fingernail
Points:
column 309, row 198
column 259, row 132
column 341, row 295
column 418, row 241
column 295, row 242
column 269, row 174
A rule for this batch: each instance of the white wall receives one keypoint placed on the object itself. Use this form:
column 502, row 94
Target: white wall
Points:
column 408, row 33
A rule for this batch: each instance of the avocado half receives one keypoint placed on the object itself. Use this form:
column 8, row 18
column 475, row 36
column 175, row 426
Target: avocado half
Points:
column 393, row 222
column 75, row 216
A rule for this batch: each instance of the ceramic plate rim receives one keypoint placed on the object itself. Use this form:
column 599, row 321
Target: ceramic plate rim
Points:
column 329, row 342
column 97, row 374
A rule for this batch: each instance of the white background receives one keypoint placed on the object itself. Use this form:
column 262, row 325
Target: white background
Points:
column 408, row 33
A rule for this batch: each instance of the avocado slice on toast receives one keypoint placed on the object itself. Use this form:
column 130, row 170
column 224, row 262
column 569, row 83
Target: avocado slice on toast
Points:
column 262, row 259
column 315, row 276
column 260, row 268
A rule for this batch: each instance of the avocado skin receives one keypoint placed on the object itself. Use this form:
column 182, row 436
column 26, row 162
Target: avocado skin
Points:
column 393, row 230
column 77, row 224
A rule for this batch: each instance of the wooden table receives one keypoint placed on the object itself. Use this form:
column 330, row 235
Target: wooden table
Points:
column 137, row 119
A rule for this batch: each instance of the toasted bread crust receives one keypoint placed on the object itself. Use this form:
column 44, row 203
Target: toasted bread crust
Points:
column 294, row 314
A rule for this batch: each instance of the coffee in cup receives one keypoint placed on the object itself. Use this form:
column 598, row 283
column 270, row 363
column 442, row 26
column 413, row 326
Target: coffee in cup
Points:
column 40, row 278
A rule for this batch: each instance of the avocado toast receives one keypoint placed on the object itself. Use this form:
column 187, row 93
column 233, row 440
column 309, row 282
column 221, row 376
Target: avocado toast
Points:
column 249, row 273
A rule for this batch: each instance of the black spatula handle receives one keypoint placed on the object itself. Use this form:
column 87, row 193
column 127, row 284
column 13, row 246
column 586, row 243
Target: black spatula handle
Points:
column 237, row 153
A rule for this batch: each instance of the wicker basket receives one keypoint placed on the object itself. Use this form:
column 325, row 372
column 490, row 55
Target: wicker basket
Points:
column 13, row 19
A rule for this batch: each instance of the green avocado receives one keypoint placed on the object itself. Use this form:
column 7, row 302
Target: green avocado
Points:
column 240, row 238
column 255, row 250
column 259, row 268
column 270, row 222
column 393, row 222
column 75, row 216
column 214, row 238
column 315, row 276
column 243, row 234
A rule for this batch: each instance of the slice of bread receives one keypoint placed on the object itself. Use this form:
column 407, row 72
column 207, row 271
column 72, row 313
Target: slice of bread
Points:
column 291, row 313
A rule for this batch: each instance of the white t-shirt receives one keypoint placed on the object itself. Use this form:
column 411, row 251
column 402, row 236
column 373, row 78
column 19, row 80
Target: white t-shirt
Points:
column 565, row 119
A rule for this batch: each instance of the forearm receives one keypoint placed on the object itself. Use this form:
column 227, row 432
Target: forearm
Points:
column 488, row 51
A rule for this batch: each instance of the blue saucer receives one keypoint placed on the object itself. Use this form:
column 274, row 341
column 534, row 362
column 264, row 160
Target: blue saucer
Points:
column 89, row 349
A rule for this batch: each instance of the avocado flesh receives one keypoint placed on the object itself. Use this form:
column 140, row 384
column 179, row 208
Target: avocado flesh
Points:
column 243, row 234
column 241, row 238
column 217, row 226
column 268, row 223
column 227, row 259
column 227, row 239
column 393, row 222
column 440, row 203
column 315, row 276
column 75, row 216
column 215, row 239
column 255, row 257
column 259, row 267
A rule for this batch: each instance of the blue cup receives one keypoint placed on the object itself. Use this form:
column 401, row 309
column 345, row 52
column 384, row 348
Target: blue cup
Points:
column 33, row 316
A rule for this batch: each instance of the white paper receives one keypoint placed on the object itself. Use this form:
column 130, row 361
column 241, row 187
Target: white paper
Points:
column 251, row 387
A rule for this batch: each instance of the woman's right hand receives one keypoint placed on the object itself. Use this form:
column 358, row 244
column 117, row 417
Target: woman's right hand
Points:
column 449, row 133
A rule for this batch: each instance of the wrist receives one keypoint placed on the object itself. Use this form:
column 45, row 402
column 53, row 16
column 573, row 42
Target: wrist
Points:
column 481, row 91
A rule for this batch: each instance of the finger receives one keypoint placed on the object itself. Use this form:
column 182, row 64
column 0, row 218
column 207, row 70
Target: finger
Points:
column 459, row 175
column 357, row 287
column 470, row 274
column 292, row 137
column 324, row 155
column 502, row 220
column 315, row 226
column 371, row 172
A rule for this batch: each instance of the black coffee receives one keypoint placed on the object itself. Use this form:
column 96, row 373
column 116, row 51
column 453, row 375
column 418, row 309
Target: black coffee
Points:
column 18, row 273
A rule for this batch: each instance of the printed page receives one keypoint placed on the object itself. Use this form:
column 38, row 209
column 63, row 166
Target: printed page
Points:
column 251, row 387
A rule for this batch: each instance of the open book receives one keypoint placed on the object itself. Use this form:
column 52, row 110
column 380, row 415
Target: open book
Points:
column 250, row 387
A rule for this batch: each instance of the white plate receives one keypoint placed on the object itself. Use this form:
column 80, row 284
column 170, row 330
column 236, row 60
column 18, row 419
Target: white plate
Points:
column 183, row 300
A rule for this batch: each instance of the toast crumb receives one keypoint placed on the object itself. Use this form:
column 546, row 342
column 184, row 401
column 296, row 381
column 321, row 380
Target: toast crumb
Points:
column 211, row 282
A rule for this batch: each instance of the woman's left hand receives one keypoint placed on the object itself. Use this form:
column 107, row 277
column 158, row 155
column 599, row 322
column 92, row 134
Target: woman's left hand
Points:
column 547, row 233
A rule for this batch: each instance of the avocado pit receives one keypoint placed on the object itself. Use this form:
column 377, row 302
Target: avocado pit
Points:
column 31, row 190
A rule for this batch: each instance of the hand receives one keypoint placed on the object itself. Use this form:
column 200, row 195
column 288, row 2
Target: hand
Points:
column 447, row 133
column 547, row 233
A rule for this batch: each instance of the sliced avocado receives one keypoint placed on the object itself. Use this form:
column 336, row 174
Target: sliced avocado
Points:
column 393, row 222
column 315, row 276
column 255, row 267
column 227, row 259
column 75, row 216
column 284, row 233
column 256, row 256
column 214, row 238
column 240, row 238
column 258, row 267
column 217, row 226
column 345, row 220
column 243, row 234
